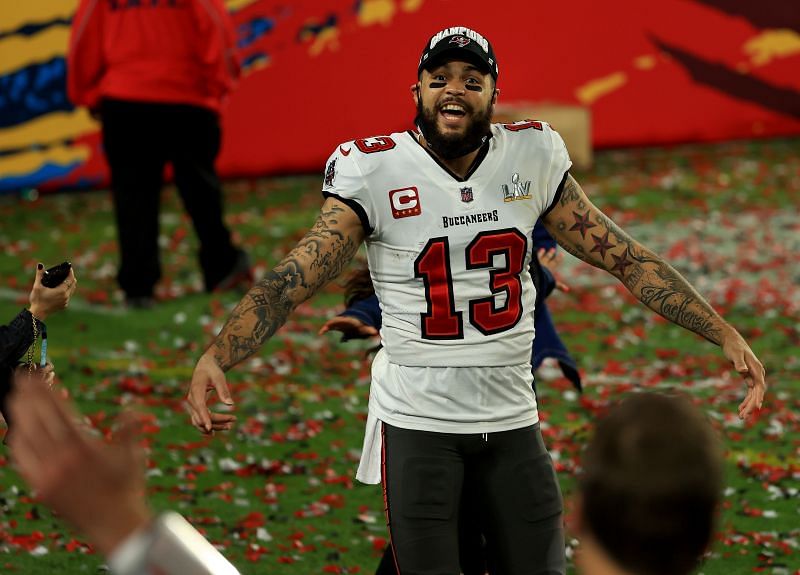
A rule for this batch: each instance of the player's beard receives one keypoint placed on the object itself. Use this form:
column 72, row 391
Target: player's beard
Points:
column 449, row 147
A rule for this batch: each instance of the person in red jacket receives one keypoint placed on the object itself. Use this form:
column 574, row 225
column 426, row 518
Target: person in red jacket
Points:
column 156, row 74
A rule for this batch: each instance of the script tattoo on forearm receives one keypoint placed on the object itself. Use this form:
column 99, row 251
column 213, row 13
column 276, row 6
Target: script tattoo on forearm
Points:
column 668, row 293
column 319, row 257
column 588, row 234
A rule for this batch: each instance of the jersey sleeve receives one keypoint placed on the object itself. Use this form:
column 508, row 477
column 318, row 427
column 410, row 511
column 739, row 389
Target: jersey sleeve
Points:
column 345, row 182
column 559, row 167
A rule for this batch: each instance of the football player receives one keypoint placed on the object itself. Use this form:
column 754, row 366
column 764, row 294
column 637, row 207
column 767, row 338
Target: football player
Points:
column 446, row 212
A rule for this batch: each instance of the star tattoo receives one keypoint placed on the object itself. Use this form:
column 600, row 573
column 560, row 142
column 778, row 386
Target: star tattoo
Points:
column 621, row 262
column 602, row 245
column 582, row 223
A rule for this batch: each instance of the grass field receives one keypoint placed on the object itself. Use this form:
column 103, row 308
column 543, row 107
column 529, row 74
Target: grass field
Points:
column 278, row 494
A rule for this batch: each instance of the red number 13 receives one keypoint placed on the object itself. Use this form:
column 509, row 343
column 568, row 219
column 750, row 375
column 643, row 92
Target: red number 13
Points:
column 442, row 321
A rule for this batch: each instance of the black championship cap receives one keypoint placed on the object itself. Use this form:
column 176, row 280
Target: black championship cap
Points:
column 459, row 42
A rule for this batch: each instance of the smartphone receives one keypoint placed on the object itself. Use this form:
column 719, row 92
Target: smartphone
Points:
column 55, row 275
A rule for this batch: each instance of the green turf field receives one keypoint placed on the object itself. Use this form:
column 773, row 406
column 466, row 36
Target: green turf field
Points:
column 278, row 494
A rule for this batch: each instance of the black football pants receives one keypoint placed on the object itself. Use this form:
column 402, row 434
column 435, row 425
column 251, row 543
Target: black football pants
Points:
column 507, row 482
column 140, row 138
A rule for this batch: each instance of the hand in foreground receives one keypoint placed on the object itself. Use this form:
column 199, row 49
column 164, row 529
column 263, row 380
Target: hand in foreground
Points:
column 208, row 377
column 351, row 327
column 95, row 486
column 551, row 259
column 46, row 301
column 46, row 374
column 747, row 364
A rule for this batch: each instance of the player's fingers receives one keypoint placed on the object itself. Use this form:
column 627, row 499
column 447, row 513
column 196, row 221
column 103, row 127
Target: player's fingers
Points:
column 222, row 418
column 196, row 404
column 368, row 330
column 754, row 398
column 739, row 363
column 345, row 324
column 335, row 323
column 221, row 387
column 759, row 379
column 197, row 422
column 747, row 406
column 222, row 426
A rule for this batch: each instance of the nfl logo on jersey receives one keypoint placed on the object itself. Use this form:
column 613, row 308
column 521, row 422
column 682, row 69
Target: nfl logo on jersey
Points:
column 466, row 194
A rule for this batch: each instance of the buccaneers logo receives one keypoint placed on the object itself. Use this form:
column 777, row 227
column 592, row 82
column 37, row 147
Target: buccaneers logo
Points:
column 460, row 40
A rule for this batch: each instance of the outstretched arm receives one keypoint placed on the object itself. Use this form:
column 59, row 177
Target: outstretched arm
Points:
column 587, row 233
column 319, row 257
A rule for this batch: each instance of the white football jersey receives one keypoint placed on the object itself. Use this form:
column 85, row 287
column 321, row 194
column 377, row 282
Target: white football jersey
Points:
column 449, row 257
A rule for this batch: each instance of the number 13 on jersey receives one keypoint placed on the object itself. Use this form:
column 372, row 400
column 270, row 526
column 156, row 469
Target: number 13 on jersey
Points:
column 442, row 320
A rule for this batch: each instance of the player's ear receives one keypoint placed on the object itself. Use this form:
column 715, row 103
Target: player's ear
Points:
column 415, row 92
column 495, row 96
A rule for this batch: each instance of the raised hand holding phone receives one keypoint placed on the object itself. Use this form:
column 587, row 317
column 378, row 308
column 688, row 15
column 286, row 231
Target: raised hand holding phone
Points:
column 46, row 300
column 54, row 276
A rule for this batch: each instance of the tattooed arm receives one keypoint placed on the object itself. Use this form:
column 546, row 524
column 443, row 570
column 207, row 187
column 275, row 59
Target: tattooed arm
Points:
column 319, row 257
column 585, row 232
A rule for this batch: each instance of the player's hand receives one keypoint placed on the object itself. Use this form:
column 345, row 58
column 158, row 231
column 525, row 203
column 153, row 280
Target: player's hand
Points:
column 551, row 259
column 349, row 326
column 208, row 377
column 749, row 367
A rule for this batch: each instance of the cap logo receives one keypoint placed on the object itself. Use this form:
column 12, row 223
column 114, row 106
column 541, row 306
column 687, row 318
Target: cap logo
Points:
column 460, row 40
column 466, row 33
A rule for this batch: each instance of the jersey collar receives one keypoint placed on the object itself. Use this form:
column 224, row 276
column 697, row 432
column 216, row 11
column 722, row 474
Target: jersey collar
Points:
column 482, row 151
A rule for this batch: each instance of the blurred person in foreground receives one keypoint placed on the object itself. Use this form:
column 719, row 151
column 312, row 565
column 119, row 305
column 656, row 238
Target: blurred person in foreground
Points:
column 156, row 75
column 652, row 481
column 26, row 328
column 446, row 212
column 98, row 487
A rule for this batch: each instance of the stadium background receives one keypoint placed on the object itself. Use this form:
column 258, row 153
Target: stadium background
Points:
column 322, row 71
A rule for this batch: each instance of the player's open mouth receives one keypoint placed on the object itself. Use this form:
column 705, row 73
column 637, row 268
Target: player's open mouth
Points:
column 452, row 112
